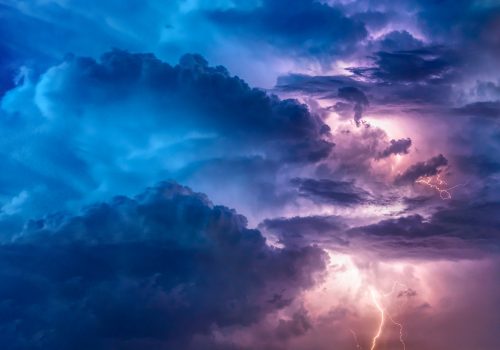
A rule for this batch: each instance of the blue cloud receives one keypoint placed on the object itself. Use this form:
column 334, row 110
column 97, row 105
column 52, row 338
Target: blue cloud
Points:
column 134, row 271
column 303, row 27
column 127, row 120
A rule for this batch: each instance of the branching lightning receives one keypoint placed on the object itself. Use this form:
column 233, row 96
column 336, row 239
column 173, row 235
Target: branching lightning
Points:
column 438, row 184
column 375, row 297
column 400, row 326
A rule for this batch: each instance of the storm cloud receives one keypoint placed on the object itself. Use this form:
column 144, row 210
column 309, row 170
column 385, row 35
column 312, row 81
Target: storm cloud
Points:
column 82, row 106
column 428, row 168
column 304, row 27
column 132, row 272
column 400, row 146
column 331, row 191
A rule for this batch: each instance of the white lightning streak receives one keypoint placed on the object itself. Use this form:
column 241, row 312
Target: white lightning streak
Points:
column 401, row 338
column 439, row 185
column 374, row 295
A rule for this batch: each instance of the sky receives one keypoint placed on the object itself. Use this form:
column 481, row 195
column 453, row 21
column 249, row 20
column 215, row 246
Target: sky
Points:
column 250, row 174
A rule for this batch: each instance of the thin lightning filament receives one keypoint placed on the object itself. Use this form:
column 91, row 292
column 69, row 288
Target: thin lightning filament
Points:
column 375, row 296
column 379, row 307
column 438, row 184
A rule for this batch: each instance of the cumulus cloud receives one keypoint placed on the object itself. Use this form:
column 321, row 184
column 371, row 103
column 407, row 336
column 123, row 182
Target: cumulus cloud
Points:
column 193, row 88
column 400, row 146
column 81, row 121
column 132, row 272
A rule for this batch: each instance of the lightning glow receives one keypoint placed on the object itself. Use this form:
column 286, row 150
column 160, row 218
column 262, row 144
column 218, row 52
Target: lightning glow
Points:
column 401, row 336
column 438, row 184
column 398, row 324
column 374, row 295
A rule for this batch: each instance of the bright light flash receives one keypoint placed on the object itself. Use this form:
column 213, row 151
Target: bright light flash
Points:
column 375, row 299
column 375, row 296
column 438, row 184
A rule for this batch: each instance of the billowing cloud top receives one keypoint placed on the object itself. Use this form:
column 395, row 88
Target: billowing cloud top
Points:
column 136, row 270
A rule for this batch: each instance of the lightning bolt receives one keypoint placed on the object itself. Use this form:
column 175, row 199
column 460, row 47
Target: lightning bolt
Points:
column 384, row 315
column 438, row 184
column 375, row 296
column 400, row 326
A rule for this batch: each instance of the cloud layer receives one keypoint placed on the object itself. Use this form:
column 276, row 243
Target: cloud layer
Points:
column 132, row 273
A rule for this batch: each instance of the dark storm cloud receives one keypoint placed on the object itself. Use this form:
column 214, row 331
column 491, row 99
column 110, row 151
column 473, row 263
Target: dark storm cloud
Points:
column 484, row 109
column 405, row 73
column 191, row 86
column 419, row 238
column 358, row 98
column 400, row 146
column 470, row 223
column 382, row 96
column 420, row 65
column 413, row 226
column 461, row 230
column 304, row 27
column 331, row 191
column 477, row 220
column 327, row 87
column 302, row 230
column 157, row 268
column 427, row 168
column 399, row 41
column 80, row 119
